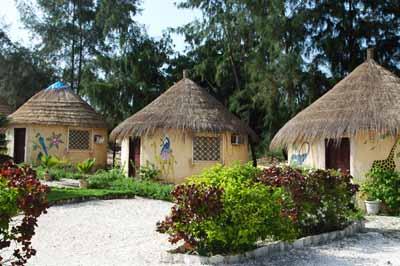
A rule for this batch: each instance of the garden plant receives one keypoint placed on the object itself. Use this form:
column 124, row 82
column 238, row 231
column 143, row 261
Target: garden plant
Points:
column 233, row 209
column 383, row 185
column 20, row 193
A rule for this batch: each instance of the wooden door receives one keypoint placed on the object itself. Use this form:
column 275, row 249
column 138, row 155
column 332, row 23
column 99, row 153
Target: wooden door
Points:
column 134, row 156
column 19, row 145
column 337, row 155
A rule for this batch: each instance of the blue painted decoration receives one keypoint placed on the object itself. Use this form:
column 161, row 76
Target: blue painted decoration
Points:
column 43, row 145
column 165, row 148
column 299, row 156
column 57, row 86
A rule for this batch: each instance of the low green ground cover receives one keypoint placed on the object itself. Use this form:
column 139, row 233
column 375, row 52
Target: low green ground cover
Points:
column 115, row 180
column 59, row 172
column 57, row 194
column 112, row 183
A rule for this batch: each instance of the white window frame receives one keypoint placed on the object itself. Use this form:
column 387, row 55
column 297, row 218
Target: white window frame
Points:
column 91, row 142
column 241, row 137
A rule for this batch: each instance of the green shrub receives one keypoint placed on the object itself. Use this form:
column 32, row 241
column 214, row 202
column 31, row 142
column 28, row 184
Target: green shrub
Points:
column 224, row 210
column 48, row 162
column 147, row 189
column 323, row 198
column 8, row 206
column 103, row 179
column 385, row 186
column 114, row 179
column 63, row 171
column 149, row 172
column 86, row 166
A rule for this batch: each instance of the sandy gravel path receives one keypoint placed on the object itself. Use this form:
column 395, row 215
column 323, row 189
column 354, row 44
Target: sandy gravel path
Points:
column 122, row 232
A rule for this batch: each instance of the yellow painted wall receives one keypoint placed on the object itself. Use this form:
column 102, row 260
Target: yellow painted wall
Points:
column 36, row 135
column 180, row 163
column 364, row 150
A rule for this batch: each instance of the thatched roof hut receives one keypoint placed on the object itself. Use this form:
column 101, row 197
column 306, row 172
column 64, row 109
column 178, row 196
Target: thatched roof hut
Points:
column 366, row 100
column 182, row 132
column 57, row 105
column 57, row 122
column 185, row 106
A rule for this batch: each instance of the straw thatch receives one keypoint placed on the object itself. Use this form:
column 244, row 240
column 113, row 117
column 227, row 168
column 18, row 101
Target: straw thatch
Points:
column 5, row 108
column 367, row 100
column 60, row 106
column 185, row 106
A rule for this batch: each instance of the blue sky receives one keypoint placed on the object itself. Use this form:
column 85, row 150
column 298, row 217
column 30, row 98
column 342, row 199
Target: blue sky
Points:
column 157, row 16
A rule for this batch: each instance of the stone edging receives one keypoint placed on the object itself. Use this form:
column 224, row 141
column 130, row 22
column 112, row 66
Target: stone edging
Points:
column 85, row 199
column 267, row 250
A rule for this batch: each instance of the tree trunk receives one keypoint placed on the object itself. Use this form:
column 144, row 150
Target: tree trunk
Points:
column 114, row 153
column 73, row 45
column 80, row 63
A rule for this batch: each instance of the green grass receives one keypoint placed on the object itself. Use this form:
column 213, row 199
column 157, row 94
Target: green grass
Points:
column 109, row 183
column 57, row 194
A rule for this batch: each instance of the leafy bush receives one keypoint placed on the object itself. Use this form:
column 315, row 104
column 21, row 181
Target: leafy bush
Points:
column 86, row 166
column 59, row 172
column 115, row 180
column 149, row 172
column 385, row 186
column 103, row 179
column 146, row 189
column 224, row 210
column 323, row 198
column 20, row 191
column 48, row 162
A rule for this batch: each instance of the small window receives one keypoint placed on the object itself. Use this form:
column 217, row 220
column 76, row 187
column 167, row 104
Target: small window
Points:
column 79, row 140
column 206, row 148
column 237, row 139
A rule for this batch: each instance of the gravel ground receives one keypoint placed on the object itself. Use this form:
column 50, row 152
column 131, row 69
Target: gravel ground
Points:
column 122, row 232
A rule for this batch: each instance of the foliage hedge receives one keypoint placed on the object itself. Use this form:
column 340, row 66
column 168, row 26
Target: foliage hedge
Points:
column 115, row 180
column 224, row 210
column 323, row 198
column 229, row 209
column 385, row 186
column 20, row 192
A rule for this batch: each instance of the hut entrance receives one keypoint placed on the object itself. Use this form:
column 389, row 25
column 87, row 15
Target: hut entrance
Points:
column 19, row 145
column 134, row 155
column 337, row 155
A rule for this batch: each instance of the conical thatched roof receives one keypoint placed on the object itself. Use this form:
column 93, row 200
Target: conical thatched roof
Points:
column 57, row 105
column 368, row 99
column 184, row 106
column 5, row 108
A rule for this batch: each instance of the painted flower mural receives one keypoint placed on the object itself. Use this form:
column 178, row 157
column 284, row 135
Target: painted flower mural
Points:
column 54, row 140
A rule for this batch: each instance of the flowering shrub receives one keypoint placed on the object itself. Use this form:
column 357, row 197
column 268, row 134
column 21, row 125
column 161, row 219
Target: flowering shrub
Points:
column 20, row 192
column 224, row 210
column 323, row 199
column 384, row 185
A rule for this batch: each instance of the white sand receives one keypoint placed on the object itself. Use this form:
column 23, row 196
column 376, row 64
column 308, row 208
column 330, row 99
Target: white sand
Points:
column 122, row 232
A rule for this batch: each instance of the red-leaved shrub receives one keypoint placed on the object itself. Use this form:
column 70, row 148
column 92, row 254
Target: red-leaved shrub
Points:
column 30, row 201
column 194, row 203
column 323, row 198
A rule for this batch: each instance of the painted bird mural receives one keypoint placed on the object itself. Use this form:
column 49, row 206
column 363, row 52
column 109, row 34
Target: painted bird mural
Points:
column 42, row 143
column 165, row 148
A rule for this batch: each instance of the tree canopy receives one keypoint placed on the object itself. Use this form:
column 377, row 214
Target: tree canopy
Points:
column 264, row 60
